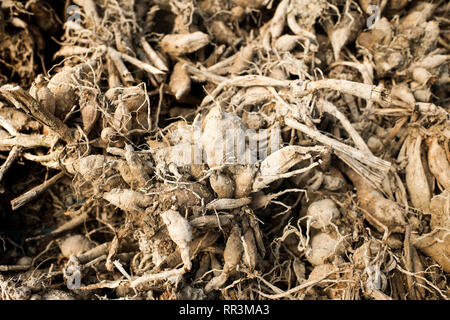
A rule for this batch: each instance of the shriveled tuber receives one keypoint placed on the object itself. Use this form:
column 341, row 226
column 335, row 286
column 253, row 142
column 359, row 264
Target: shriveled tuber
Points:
column 324, row 248
column 232, row 256
column 379, row 211
column 180, row 81
column 180, row 44
column 75, row 245
column 438, row 162
column 322, row 213
column 416, row 181
column 222, row 184
column 436, row 244
column 127, row 200
column 180, row 231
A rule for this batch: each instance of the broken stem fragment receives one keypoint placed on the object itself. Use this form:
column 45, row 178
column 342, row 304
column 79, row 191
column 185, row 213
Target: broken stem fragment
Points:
column 36, row 191
column 23, row 100
column 365, row 91
column 13, row 154
column 378, row 168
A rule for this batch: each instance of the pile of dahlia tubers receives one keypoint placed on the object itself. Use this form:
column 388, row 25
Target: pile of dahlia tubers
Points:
column 243, row 149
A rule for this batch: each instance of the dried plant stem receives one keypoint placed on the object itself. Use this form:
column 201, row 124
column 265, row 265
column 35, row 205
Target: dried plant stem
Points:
column 28, row 141
column 157, row 277
column 8, row 127
column 304, row 285
column 137, row 63
column 7, row 268
column 123, row 71
column 356, row 159
column 224, row 64
column 378, row 295
column 153, row 56
column 13, row 154
column 227, row 204
column 104, row 284
column 89, row 9
column 67, row 51
column 362, row 90
column 246, row 81
column 333, row 110
column 69, row 225
column 23, row 100
column 203, row 75
column 408, row 263
column 212, row 221
column 36, row 191
column 94, row 253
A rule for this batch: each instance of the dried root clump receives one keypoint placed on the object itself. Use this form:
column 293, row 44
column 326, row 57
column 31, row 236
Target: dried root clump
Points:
column 244, row 149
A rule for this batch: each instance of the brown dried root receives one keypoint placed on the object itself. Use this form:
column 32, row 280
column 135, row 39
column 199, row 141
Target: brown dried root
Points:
column 128, row 200
column 380, row 212
column 180, row 232
column 438, row 162
column 416, row 180
column 232, row 256
column 436, row 244
column 278, row 163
